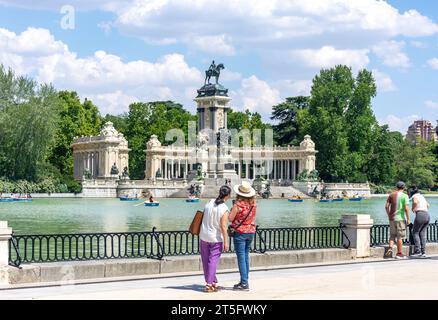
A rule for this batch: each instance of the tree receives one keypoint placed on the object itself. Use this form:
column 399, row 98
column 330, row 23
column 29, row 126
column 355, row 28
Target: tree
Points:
column 76, row 119
column 381, row 165
column 416, row 163
column 145, row 119
column 120, row 121
column 339, row 117
column 287, row 130
column 247, row 121
column 29, row 114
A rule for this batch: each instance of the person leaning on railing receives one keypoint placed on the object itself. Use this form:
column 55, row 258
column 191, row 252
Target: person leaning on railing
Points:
column 420, row 207
column 397, row 209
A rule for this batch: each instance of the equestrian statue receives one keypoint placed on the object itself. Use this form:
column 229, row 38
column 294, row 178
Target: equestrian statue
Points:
column 213, row 71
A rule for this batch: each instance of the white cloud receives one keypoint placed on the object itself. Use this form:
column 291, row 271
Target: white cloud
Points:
column 419, row 44
column 391, row 53
column 400, row 124
column 112, row 102
column 383, row 81
column 433, row 63
column 329, row 56
column 102, row 76
column 256, row 95
column 431, row 104
column 214, row 44
column 290, row 88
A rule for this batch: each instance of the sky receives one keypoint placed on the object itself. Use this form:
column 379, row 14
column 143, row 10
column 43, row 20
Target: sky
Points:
column 116, row 52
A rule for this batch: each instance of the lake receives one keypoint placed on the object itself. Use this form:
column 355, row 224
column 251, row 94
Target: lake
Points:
column 112, row 215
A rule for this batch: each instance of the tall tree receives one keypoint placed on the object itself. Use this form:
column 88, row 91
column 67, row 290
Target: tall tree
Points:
column 416, row 163
column 331, row 93
column 76, row 119
column 381, row 166
column 28, row 119
column 287, row 130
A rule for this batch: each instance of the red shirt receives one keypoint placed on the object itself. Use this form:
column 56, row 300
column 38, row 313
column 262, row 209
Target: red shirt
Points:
column 248, row 226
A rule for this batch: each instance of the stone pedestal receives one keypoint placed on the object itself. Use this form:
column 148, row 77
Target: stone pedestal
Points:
column 357, row 229
column 5, row 235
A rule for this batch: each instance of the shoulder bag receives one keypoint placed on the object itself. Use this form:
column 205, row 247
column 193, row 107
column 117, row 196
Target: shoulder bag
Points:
column 231, row 230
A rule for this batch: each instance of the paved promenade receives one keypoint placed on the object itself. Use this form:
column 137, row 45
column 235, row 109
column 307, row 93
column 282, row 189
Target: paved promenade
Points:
column 407, row 279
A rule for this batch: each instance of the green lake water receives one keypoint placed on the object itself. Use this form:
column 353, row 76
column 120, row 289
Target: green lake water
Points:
column 113, row 215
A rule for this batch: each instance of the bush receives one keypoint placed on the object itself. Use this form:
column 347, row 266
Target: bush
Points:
column 380, row 189
column 74, row 186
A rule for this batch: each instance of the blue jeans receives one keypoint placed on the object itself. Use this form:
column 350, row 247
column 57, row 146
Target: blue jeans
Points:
column 242, row 244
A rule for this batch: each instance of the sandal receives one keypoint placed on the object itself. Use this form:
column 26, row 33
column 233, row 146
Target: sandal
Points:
column 210, row 288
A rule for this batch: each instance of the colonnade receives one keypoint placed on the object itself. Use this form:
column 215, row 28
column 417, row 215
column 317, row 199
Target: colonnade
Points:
column 86, row 161
column 175, row 168
column 272, row 169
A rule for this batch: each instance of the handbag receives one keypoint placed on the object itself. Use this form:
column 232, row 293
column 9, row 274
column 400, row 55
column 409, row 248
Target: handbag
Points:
column 231, row 231
column 195, row 226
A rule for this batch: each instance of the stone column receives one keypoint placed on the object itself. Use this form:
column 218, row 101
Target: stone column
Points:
column 247, row 170
column 357, row 229
column 186, row 171
column 5, row 235
column 281, row 169
column 275, row 169
column 179, row 168
column 293, row 169
column 165, row 169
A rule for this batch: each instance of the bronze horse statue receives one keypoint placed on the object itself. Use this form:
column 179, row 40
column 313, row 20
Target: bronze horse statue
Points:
column 213, row 73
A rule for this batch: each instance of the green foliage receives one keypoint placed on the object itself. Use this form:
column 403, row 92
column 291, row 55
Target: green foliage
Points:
column 416, row 163
column 145, row 119
column 287, row 130
column 47, row 185
column 120, row 122
column 247, row 121
column 29, row 115
column 76, row 119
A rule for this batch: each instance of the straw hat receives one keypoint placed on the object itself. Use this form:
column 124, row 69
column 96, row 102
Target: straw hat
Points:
column 244, row 190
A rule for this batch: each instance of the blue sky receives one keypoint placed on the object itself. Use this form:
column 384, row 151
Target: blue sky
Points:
column 118, row 52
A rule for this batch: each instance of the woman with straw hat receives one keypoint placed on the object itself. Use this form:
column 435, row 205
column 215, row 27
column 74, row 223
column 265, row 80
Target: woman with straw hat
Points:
column 243, row 216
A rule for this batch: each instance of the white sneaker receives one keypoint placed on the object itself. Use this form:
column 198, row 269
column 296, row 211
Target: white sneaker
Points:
column 401, row 257
column 416, row 256
column 424, row 256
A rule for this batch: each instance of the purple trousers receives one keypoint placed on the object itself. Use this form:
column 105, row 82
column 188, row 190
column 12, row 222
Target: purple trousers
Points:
column 210, row 255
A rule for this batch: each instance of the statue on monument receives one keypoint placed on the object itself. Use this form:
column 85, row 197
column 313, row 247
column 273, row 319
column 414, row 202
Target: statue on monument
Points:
column 114, row 169
column 213, row 71
column 125, row 174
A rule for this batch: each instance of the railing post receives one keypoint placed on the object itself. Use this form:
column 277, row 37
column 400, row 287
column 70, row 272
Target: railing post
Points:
column 357, row 229
column 5, row 235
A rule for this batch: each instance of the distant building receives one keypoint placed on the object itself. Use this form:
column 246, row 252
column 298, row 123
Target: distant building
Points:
column 423, row 129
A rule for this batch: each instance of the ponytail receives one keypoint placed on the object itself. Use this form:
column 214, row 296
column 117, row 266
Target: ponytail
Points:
column 224, row 191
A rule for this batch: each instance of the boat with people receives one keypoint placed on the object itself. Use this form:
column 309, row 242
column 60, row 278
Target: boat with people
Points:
column 151, row 204
column 16, row 198
column 356, row 199
column 192, row 200
column 126, row 198
column 338, row 200
column 325, row 200
column 295, row 200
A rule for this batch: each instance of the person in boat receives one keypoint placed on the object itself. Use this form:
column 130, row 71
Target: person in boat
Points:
column 151, row 199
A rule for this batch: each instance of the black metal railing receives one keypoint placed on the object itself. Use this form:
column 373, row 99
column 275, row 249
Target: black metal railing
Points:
column 157, row 244
column 380, row 234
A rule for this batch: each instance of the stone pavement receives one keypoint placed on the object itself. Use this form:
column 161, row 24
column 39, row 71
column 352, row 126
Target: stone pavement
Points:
column 390, row 279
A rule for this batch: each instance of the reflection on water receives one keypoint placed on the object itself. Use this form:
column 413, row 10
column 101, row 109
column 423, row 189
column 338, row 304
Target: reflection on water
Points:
column 112, row 215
